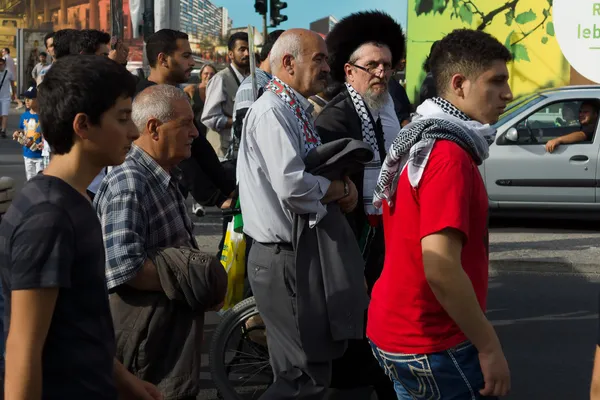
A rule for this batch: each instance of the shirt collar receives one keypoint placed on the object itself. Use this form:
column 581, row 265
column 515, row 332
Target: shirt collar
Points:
column 240, row 76
column 138, row 155
column 306, row 105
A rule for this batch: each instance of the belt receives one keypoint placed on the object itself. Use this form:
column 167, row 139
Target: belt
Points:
column 279, row 246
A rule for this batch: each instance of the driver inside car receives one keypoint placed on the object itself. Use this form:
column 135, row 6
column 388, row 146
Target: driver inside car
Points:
column 588, row 116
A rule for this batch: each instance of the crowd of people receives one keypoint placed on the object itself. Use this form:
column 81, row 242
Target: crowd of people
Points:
column 366, row 223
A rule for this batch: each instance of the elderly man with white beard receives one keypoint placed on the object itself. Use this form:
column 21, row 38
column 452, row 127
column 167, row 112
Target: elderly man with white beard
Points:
column 363, row 49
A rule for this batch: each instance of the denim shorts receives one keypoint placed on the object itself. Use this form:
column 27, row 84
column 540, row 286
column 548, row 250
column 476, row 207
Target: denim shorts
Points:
column 453, row 374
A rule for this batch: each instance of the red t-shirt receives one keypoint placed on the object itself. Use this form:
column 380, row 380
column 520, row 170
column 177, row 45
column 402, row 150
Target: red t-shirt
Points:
column 404, row 314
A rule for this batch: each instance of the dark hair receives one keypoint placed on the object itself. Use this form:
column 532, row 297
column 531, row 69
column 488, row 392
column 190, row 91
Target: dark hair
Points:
column 2, row 60
column 48, row 35
column 65, row 42
column 6, row 49
column 426, row 62
column 43, row 53
column 467, row 52
column 94, row 86
column 269, row 42
column 89, row 40
column 163, row 41
column 243, row 36
column 592, row 103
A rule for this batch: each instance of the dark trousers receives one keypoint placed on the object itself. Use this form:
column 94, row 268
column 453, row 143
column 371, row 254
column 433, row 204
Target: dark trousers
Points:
column 271, row 272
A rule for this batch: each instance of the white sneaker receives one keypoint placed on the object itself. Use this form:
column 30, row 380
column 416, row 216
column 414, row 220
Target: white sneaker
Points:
column 198, row 210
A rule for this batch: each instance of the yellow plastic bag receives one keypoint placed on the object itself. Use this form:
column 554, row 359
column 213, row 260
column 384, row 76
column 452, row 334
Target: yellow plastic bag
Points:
column 233, row 258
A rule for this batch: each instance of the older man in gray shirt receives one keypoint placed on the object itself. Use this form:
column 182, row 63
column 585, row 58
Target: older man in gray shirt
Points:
column 277, row 135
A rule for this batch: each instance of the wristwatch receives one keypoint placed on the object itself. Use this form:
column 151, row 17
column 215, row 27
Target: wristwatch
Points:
column 346, row 189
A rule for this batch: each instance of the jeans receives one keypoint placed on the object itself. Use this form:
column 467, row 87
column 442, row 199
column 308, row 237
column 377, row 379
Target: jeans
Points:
column 454, row 374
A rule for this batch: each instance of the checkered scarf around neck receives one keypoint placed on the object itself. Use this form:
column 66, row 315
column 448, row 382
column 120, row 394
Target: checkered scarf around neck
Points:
column 436, row 119
column 373, row 168
column 306, row 125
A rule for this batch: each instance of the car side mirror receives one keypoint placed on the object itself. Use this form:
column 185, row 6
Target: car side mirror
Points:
column 512, row 135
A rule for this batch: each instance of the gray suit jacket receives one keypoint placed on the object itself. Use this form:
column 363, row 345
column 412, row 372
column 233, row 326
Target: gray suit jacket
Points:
column 331, row 295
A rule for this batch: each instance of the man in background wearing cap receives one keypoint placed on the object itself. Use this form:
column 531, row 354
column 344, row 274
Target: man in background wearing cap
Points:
column 363, row 49
column 30, row 135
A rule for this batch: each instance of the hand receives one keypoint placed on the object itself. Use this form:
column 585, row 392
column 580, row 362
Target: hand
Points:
column 496, row 374
column 16, row 135
column 348, row 203
column 120, row 53
column 137, row 389
column 226, row 204
column 552, row 145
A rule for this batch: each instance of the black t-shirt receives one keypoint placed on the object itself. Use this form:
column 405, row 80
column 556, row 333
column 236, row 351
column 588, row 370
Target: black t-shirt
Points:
column 51, row 238
column 143, row 84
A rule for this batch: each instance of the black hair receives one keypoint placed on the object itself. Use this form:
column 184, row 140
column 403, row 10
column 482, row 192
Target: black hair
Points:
column 94, row 86
column 6, row 49
column 467, row 52
column 269, row 42
column 65, row 42
column 426, row 66
column 243, row 36
column 89, row 40
column 163, row 41
column 49, row 35
column 2, row 60
column 591, row 102
column 43, row 53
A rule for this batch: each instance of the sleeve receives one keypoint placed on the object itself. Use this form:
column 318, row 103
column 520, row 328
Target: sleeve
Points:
column 300, row 191
column 41, row 250
column 444, row 195
column 123, row 219
column 199, row 184
column 35, row 72
column 332, row 124
column 22, row 122
column 212, row 114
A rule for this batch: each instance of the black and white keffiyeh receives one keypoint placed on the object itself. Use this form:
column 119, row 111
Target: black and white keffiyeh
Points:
column 373, row 168
column 436, row 119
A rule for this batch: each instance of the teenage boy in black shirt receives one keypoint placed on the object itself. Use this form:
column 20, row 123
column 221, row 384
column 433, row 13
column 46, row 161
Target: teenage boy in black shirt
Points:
column 60, row 338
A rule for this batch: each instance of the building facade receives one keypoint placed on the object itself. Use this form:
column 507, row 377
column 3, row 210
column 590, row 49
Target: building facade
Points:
column 323, row 25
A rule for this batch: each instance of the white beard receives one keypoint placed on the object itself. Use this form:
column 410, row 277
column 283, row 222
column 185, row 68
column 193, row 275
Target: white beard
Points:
column 376, row 101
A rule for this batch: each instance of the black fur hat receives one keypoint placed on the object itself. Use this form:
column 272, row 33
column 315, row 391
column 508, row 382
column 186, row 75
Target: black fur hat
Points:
column 357, row 29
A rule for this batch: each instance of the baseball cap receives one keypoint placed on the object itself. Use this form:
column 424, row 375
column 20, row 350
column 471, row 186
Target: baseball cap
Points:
column 30, row 93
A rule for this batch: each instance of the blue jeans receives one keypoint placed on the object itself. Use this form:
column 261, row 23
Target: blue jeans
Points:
column 454, row 374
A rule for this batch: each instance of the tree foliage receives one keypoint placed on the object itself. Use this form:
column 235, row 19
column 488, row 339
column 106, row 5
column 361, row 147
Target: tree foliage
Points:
column 523, row 24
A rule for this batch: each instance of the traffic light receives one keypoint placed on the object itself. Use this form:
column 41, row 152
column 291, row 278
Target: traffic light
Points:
column 260, row 6
column 275, row 8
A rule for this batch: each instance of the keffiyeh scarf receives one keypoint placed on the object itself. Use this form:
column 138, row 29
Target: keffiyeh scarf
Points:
column 436, row 119
column 373, row 168
column 286, row 93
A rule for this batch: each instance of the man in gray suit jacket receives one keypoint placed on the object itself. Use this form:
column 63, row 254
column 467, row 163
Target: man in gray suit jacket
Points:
column 217, row 115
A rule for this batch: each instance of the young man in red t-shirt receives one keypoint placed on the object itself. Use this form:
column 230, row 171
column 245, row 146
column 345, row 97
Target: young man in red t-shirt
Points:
column 426, row 319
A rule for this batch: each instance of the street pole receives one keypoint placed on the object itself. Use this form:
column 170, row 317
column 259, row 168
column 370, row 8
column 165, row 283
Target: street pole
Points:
column 116, row 13
column 265, row 33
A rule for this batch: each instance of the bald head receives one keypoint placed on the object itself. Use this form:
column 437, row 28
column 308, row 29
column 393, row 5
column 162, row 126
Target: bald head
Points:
column 299, row 58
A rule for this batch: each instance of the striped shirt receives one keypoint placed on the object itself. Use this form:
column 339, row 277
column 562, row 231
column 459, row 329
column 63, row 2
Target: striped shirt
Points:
column 244, row 98
column 140, row 208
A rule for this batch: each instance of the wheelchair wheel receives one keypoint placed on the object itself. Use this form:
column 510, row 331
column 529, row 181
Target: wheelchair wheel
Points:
column 238, row 354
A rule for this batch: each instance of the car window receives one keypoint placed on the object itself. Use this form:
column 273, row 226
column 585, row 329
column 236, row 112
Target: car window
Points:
column 515, row 107
column 552, row 121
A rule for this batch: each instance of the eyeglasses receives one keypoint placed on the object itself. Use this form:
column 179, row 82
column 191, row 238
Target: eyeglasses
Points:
column 375, row 69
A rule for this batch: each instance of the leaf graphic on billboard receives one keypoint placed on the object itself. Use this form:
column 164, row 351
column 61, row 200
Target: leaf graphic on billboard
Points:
column 525, row 17
column 520, row 52
column 465, row 14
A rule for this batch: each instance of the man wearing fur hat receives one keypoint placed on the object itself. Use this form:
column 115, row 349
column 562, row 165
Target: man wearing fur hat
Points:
column 363, row 49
